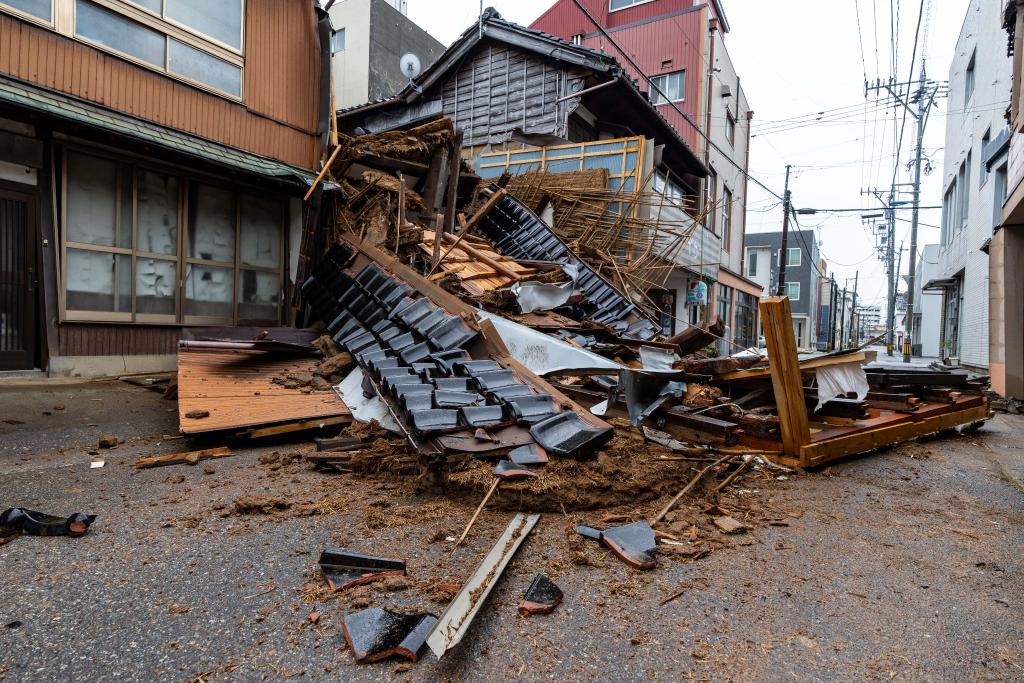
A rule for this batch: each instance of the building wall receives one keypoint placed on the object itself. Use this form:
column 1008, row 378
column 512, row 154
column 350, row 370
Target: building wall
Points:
column 277, row 116
column 967, row 122
column 377, row 35
column 673, row 43
column 729, row 166
column 393, row 35
column 928, row 303
column 351, row 66
column 807, row 306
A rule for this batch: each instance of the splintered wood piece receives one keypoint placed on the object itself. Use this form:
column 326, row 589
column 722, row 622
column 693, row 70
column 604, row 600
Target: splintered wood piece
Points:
column 479, row 509
column 777, row 319
column 190, row 458
column 688, row 488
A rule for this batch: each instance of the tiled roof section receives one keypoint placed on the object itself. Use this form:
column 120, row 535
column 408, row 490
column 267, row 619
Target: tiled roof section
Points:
column 69, row 108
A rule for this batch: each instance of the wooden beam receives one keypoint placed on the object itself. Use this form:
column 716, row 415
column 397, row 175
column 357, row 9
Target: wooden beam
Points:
column 805, row 366
column 822, row 452
column 323, row 172
column 467, row 226
column 297, row 427
column 777, row 319
column 191, row 458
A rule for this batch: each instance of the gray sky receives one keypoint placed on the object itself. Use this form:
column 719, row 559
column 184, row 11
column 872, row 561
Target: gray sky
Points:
column 796, row 59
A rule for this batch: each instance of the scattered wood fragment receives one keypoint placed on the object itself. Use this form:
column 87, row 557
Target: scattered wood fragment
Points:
column 479, row 509
column 686, row 489
column 190, row 458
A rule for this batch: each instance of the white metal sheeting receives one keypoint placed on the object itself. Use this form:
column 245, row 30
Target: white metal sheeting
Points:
column 543, row 354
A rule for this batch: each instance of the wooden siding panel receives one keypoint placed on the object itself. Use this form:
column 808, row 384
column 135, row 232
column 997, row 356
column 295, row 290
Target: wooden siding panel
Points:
column 287, row 86
column 117, row 340
column 283, row 81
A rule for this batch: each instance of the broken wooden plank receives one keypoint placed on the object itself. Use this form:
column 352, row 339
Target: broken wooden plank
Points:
column 822, row 452
column 777, row 320
column 455, row 622
column 190, row 458
column 291, row 427
column 805, row 366
column 695, row 338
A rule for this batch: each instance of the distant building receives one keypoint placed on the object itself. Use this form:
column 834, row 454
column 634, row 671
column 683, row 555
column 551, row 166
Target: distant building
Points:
column 974, row 182
column 803, row 277
column 927, row 325
column 368, row 40
column 1006, row 252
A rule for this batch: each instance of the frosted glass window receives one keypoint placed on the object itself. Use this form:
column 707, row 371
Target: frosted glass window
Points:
column 209, row 291
column 155, row 6
column 260, row 295
column 612, row 162
column 118, row 33
column 99, row 281
column 37, row 8
column 203, row 67
column 564, row 165
column 260, row 241
column 221, row 20
column 211, row 227
column 93, row 203
column 156, row 213
column 156, row 286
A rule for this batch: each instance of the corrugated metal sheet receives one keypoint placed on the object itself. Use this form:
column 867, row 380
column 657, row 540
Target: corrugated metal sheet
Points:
column 654, row 44
column 117, row 340
column 677, row 38
column 281, row 90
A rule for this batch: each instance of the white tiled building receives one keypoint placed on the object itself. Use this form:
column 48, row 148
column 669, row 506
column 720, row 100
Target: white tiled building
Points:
column 974, row 182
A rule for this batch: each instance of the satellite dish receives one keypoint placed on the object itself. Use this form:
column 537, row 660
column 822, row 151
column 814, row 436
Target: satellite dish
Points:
column 410, row 65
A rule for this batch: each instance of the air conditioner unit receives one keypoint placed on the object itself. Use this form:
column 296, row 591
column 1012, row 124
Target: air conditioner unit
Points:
column 726, row 90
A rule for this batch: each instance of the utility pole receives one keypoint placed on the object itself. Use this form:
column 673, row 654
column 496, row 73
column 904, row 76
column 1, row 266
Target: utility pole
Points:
column 854, row 338
column 922, row 93
column 783, row 253
column 890, row 320
column 842, row 320
column 832, row 314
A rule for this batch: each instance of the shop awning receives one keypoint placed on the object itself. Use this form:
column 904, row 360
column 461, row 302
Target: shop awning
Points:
column 940, row 283
column 71, row 109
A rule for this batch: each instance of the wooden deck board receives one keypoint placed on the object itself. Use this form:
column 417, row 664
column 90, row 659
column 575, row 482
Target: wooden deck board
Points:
column 237, row 389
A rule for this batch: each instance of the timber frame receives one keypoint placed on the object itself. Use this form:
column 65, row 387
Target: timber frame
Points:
column 808, row 444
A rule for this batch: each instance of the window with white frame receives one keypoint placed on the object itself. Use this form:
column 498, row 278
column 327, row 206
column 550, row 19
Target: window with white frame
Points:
column 337, row 41
column 950, row 215
column 726, row 217
column 151, row 246
column 969, row 80
column 615, row 5
column 38, row 10
column 793, row 291
column 793, row 257
column 199, row 41
column 669, row 87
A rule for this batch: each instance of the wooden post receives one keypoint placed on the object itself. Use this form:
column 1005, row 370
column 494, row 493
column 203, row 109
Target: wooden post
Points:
column 777, row 319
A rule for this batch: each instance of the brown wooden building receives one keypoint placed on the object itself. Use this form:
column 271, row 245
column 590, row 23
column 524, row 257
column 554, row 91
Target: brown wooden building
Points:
column 153, row 159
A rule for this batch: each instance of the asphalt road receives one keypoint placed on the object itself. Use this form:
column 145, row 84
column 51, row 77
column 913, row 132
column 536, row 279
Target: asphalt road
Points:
column 904, row 565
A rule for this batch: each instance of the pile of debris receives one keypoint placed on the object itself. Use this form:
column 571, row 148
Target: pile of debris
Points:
column 494, row 354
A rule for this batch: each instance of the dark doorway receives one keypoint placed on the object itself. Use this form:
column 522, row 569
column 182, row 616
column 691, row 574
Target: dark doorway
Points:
column 18, row 298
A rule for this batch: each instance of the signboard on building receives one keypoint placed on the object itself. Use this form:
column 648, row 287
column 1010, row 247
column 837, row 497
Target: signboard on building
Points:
column 697, row 294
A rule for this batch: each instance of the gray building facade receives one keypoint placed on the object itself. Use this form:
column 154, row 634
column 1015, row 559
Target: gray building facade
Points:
column 803, row 281
column 368, row 41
